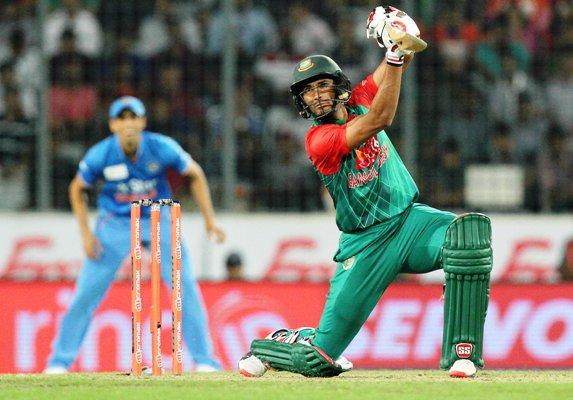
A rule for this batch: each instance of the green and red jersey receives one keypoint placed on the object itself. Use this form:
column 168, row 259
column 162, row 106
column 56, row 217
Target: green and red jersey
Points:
column 369, row 184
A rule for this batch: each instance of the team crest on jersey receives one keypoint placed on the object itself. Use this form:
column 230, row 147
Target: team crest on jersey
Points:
column 305, row 65
column 153, row 167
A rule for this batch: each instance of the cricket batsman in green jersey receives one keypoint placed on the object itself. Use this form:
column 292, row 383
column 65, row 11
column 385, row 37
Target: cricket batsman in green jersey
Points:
column 384, row 231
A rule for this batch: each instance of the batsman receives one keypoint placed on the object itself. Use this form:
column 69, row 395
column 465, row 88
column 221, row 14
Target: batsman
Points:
column 384, row 231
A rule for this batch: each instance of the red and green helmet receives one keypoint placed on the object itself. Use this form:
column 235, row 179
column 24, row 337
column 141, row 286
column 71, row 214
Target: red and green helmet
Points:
column 316, row 67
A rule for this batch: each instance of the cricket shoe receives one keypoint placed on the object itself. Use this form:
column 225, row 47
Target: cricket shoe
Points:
column 205, row 368
column 251, row 366
column 463, row 369
column 55, row 370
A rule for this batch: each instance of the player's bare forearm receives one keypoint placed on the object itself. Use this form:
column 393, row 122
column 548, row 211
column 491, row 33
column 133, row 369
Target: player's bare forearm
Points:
column 201, row 194
column 407, row 60
column 380, row 71
column 79, row 203
column 382, row 109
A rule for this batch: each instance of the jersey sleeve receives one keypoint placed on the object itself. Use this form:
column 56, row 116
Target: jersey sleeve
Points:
column 91, row 166
column 174, row 156
column 364, row 92
column 326, row 147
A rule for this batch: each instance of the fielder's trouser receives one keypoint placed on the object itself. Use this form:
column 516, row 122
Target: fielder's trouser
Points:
column 97, row 275
column 358, row 284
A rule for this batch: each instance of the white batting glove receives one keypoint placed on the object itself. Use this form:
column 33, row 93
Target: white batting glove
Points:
column 400, row 29
column 375, row 24
column 396, row 31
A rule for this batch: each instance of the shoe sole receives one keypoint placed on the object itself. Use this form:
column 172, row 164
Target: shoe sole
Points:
column 460, row 374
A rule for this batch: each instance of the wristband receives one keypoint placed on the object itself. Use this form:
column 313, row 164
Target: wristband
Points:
column 395, row 59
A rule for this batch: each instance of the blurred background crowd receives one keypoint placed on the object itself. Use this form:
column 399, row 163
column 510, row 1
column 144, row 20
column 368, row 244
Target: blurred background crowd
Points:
column 493, row 90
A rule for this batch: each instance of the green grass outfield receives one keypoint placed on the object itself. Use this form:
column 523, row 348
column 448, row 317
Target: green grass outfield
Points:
column 381, row 384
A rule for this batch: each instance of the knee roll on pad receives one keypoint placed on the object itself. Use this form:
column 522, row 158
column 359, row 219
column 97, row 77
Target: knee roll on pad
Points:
column 298, row 358
column 467, row 261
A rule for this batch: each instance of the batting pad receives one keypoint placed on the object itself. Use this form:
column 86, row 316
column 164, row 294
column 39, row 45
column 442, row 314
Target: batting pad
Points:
column 467, row 262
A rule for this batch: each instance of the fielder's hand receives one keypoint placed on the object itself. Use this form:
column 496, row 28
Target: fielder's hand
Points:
column 92, row 246
column 395, row 30
column 215, row 233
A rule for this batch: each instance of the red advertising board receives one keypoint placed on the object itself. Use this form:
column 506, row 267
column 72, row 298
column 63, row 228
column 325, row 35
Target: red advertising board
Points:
column 528, row 326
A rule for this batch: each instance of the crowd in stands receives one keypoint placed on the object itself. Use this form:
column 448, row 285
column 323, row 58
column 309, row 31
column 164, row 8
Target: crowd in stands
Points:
column 495, row 86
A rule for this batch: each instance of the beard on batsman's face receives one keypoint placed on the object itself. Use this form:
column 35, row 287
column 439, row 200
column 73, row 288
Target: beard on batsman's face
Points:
column 320, row 107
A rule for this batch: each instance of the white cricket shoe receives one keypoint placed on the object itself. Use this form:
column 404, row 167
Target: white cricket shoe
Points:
column 55, row 370
column 205, row 368
column 251, row 366
column 344, row 363
column 463, row 369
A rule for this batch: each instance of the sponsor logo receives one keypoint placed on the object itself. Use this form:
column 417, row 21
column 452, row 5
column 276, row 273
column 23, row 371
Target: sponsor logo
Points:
column 178, row 239
column 176, row 334
column 464, row 350
column 372, row 157
column 399, row 25
column 158, row 356
column 158, row 241
column 117, row 172
column 137, row 247
column 137, row 349
column 348, row 263
column 153, row 167
column 305, row 65
column 137, row 285
column 366, row 154
column 177, row 289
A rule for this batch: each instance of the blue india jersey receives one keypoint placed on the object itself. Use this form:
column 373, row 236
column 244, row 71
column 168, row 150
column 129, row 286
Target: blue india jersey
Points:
column 125, row 180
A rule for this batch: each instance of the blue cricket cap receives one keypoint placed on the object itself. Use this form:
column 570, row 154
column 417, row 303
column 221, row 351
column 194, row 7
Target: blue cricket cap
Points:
column 130, row 103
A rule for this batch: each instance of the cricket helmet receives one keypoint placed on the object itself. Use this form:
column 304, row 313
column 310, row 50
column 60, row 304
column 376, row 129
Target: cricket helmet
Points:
column 316, row 67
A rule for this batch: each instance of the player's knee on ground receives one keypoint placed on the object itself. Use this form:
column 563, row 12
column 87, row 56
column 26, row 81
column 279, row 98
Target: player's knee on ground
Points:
column 467, row 261
column 298, row 358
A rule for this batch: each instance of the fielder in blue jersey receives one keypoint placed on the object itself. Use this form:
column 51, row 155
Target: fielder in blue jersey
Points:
column 132, row 164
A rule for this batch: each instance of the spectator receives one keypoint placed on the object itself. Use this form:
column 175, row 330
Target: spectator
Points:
column 529, row 130
column 497, row 40
column 154, row 31
column 309, row 33
column 450, row 177
column 350, row 52
column 14, row 176
column 455, row 38
column 502, row 145
column 555, row 168
column 560, row 91
column 234, row 267
column 566, row 267
column 26, row 62
column 248, row 123
column 13, row 16
column 73, row 98
column 254, row 28
column 290, row 183
column 506, row 89
column 82, row 22
column 12, row 99
column 465, row 122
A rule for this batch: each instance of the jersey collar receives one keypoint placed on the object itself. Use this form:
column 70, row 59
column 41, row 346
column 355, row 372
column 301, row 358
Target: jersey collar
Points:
column 140, row 148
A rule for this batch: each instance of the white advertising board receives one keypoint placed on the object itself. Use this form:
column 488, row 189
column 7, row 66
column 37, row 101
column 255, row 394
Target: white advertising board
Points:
column 273, row 246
